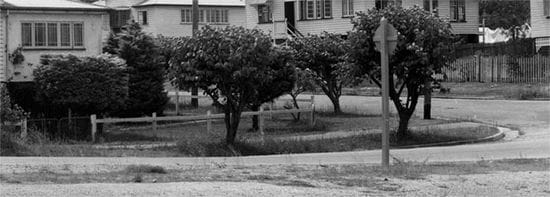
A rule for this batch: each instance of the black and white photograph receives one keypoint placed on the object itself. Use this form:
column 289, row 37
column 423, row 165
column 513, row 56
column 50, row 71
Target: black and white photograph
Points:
column 258, row 98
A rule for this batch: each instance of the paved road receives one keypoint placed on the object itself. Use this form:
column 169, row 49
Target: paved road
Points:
column 532, row 117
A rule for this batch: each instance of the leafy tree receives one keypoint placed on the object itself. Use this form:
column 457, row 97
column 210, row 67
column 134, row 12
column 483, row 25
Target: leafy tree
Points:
column 421, row 52
column 147, row 70
column 231, row 65
column 505, row 14
column 304, row 82
column 85, row 85
column 276, row 83
column 325, row 56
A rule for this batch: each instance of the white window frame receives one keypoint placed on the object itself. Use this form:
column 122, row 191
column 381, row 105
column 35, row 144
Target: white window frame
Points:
column 456, row 12
column 347, row 8
column 58, row 42
column 316, row 9
column 143, row 20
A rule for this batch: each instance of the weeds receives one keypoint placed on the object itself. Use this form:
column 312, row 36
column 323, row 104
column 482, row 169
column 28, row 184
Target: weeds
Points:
column 146, row 169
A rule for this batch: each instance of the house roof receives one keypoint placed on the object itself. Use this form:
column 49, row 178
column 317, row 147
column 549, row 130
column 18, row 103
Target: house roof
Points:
column 237, row 3
column 50, row 5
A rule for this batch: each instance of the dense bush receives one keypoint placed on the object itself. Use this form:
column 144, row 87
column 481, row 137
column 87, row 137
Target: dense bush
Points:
column 8, row 110
column 146, row 68
column 86, row 85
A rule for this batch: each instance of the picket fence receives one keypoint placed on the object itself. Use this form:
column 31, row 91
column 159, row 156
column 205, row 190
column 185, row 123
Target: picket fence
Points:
column 534, row 69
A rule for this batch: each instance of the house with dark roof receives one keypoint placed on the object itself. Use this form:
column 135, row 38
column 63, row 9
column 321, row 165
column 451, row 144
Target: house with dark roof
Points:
column 31, row 28
column 174, row 17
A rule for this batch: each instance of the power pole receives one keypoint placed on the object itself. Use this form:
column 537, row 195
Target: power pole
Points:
column 194, row 89
column 428, row 85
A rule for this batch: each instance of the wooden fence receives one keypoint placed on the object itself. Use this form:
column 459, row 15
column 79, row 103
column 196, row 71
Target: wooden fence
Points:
column 209, row 117
column 535, row 69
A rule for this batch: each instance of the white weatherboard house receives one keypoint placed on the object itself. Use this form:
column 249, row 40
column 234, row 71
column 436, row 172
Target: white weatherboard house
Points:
column 174, row 17
column 48, row 27
column 540, row 23
column 316, row 16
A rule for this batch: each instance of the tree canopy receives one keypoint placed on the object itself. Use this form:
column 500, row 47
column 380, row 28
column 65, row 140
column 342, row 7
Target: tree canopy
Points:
column 233, row 66
column 146, row 68
column 325, row 57
column 422, row 50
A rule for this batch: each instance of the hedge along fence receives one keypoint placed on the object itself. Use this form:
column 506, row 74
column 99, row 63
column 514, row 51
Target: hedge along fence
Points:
column 209, row 117
column 534, row 69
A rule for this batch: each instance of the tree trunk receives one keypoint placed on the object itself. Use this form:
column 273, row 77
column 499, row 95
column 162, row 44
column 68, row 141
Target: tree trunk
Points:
column 403, row 131
column 427, row 99
column 255, row 126
column 336, row 104
column 295, row 102
column 232, row 119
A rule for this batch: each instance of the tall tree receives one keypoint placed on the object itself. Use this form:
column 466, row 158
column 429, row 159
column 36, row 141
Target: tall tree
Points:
column 422, row 51
column 147, row 70
column 325, row 57
column 230, row 65
column 506, row 14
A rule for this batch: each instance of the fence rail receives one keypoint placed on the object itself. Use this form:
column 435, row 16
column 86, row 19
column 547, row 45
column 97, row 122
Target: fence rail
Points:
column 208, row 118
column 535, row 69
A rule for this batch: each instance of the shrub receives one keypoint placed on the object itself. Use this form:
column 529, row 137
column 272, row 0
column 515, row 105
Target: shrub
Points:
column 85, row 85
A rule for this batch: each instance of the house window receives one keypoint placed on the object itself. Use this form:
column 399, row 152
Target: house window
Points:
column 119, row 18
column 546, row 7
column 434, row 6
column 52, row 34
column 142, row 18
column 264, row 14
column 187, row 16
column 381, row 4
column 458, row 10
column 315, row 9
column 347, row 8
column 26, row 34
column 211, row 16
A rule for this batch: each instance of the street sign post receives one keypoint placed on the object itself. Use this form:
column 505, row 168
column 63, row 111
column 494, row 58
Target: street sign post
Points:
column 385, row 38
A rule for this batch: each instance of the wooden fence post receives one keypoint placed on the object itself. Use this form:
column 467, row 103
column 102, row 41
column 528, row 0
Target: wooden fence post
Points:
column 271, row 106
column 261, row 120
column 177, row 103
column 24, row 128
column 208, row 121
column 94, row 127
column 312, row 115
column 155, row 122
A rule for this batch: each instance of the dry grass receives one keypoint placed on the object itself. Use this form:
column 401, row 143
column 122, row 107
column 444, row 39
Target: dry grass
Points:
column 294, row 175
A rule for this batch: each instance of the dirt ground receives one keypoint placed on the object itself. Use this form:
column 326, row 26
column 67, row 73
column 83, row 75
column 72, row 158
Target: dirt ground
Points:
column 517, row 177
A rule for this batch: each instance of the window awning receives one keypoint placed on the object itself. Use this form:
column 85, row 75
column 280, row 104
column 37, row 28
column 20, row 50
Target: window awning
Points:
column 256, row 2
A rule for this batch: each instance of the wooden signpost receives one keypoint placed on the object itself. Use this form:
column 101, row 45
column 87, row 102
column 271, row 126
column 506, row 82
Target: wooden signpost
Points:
column 385, row 38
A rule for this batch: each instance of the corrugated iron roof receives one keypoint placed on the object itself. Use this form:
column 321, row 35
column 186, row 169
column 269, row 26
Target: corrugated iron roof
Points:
column 51, row 4
column 190, row 2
